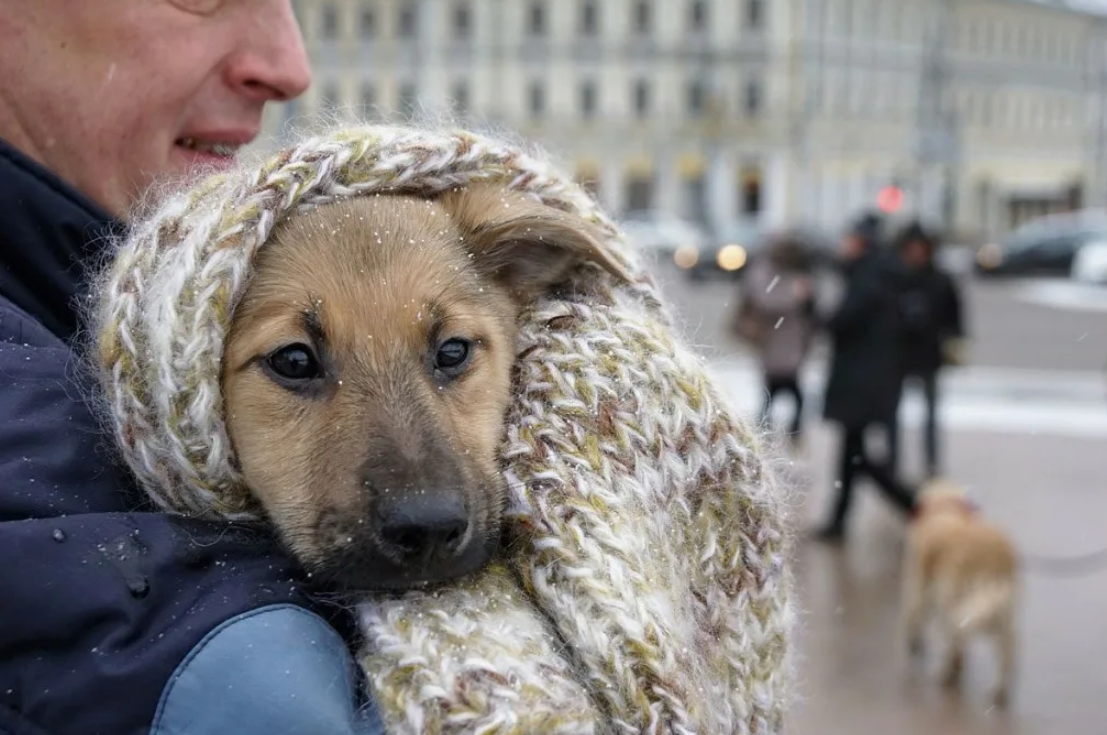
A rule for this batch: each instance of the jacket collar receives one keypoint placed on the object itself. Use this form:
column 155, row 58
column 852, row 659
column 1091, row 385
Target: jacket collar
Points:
column 50, row 234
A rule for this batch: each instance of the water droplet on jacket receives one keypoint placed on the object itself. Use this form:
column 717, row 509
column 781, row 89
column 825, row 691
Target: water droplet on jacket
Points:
column 138, row 588
column 58, row 535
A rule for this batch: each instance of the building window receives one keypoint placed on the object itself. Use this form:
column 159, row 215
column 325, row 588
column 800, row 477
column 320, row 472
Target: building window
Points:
column 751, row 98
column 590, row 181
column 536, row 98
column 409, row 99
column 409, row 20
column 697, row 98
column 330, row 21
column 641, row 98
column 695, row 199
column 537, row 19
column 589, row 18
column 639, row 193
column 461, row 102
column 462, row 21
column 588, row 100
column 755, row 14
column 368, row 23
column 750, row 193
column 329, row 96
column 697, row 19
column 368, row 98
column 642, row 17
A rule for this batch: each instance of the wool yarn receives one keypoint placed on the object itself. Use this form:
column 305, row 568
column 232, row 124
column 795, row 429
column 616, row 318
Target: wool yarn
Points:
column 648, row 590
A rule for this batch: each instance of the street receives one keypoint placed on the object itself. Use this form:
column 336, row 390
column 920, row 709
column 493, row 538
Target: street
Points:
column 1025, row 427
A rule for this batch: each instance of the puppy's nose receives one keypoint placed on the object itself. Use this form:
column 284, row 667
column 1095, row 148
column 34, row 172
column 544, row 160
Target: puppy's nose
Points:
column 420, row 528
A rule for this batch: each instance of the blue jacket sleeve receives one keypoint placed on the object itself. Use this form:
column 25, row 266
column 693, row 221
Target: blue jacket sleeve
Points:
column 120, row 622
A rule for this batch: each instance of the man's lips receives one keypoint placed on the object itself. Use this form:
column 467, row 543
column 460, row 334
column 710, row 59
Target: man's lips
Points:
column 216, row 148
column 221, row 144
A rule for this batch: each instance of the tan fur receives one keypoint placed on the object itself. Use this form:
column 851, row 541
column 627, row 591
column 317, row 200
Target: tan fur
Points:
column 962, row 571
column 385, row 280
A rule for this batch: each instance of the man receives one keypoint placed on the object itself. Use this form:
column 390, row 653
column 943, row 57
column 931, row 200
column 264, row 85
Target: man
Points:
column 116, row 620
column 864, row 382
column 930, row 309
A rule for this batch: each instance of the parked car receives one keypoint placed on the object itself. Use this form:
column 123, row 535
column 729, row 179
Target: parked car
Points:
column 660, row 233
column 1090, row 263
column 735, row 245
column 725, row 253
column 1044, row 246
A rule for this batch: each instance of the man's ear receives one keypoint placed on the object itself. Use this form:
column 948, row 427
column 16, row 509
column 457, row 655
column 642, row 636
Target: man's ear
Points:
column 523, row 244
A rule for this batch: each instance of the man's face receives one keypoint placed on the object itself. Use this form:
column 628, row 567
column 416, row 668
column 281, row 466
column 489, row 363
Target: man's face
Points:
column 851, row 246
column 916, row 254
column 112, row 94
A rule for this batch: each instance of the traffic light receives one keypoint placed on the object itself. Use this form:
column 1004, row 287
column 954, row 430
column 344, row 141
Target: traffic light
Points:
column 890, row 199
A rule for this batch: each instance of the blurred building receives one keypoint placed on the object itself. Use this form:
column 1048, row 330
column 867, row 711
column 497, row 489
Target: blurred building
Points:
column 982, row 112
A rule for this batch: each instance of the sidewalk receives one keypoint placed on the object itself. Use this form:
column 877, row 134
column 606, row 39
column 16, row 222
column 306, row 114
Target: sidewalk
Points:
column 1002, row 400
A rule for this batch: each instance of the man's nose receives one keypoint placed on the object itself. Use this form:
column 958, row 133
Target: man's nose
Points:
column 271, row 63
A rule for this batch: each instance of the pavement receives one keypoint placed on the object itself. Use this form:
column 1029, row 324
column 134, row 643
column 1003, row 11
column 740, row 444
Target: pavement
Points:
column 1024, row 428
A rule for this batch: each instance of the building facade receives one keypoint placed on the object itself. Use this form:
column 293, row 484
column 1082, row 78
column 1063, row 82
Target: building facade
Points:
column 983, row 112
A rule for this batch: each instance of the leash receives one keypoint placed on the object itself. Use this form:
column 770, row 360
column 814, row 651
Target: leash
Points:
column 1077, row 565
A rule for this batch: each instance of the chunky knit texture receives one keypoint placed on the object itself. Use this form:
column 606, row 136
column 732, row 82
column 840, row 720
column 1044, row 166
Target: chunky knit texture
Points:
column 647, row 589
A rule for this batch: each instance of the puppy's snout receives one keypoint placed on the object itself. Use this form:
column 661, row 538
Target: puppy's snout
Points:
column 422, row 528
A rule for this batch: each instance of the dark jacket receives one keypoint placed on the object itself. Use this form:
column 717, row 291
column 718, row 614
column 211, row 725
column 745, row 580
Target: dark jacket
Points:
column 930, row 307
column 115, row 620
column 863, row 385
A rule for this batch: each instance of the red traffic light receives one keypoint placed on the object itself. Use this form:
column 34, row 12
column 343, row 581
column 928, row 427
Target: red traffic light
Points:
column 890, row 199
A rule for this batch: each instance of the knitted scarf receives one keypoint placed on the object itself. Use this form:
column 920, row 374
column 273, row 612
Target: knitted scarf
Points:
column 649, row 592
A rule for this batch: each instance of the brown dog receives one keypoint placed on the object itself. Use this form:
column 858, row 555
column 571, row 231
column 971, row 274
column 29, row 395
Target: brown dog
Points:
column 962, row 570
column 368, row 371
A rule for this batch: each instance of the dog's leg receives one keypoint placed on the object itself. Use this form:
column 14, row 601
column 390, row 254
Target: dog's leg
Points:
column 913, row 610
column 955, row 634
column 955, row 655
column 1005, row 641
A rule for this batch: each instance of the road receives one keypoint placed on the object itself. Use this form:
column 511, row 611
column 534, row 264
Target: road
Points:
column 1026, row 426
column 1021, row 323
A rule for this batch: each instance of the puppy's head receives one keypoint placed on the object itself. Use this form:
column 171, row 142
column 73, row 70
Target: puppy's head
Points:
column 942, row 495
column 368, row 371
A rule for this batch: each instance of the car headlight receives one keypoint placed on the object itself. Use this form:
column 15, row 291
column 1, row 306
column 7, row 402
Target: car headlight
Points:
column 989, row 256
column 731, row 257
column 686, row 256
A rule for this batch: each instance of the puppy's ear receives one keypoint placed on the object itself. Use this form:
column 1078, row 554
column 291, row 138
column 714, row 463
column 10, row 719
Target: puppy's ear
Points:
column 524, row 244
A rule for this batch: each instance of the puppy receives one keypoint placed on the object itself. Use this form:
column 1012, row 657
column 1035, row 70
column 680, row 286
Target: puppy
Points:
column 368, row 371
column 961, row 570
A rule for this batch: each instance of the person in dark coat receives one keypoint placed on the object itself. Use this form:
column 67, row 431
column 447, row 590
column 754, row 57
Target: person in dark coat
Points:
column 115, row 619
column 932, row 330
column 863, row 385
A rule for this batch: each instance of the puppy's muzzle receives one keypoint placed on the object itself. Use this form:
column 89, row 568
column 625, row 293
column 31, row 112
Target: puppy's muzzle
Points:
column 420, row 529
column 415, row 520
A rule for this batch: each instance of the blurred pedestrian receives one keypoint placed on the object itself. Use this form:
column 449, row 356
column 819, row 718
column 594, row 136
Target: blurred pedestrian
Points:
column 864, row 382
column 776, row 317
column 932, row 330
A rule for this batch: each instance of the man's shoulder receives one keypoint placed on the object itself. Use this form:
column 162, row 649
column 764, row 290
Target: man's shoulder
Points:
column 19, row 327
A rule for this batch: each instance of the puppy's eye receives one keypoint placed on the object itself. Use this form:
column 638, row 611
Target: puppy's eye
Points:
column 294, row 364
column 452, row 355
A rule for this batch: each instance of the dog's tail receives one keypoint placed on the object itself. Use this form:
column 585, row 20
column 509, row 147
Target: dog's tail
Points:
column 983, row 601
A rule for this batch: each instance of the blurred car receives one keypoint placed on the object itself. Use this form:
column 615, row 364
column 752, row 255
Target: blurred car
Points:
column 660, row 233
column 1090, row 263
column 1044, row 246
column 732, row 247
column 725, row 253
